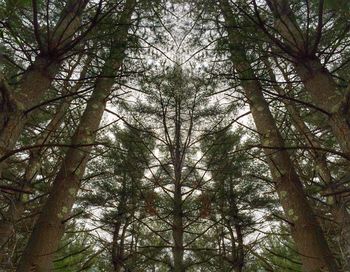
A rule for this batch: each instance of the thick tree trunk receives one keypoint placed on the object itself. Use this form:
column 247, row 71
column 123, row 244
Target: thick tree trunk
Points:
column 50, row 225
column 306, row 231
column 17, row 203
column 49, row 228
column 324, row 92
column 317, row 80
column 37, row 79
column 336, row 202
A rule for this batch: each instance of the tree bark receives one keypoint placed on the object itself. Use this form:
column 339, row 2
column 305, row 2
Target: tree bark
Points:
column 18, row 202
column 337, row 203
column 49, row 228
column 36, row 79
column 316, row 78
column 305, row 229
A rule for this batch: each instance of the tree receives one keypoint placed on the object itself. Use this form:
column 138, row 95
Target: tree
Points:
column 236, row 198
column 288, row 185
column 174, row 135
column 56, row 210
column 302, row 48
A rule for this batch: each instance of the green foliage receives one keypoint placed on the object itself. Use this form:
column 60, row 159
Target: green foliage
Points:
column 281, row 253
column 342, row 6
column 181, row 121
column 77, row 252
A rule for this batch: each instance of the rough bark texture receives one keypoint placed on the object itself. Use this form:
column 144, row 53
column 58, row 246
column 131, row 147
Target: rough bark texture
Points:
column 50, row 225
column 324, row 92
column 39, row 252
column 317, row 79
column 37, row 79
column 336, row 202
column 18, row 202
column 306, row 231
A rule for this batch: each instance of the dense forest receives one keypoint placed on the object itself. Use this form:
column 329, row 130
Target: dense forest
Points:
column 153, row 135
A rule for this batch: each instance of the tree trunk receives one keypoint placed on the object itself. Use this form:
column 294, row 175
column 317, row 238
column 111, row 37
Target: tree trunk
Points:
column 317, row 79
column 50, row 225
column 36, row 80
column 238, row 254
column 117, row 258
column 324, row 92
column 337, row 203
column 240, row 248
column 178, row 231
column 306, row 231
column 17, row 203
column 118, row 246
column 39, row 252
column 177, row 226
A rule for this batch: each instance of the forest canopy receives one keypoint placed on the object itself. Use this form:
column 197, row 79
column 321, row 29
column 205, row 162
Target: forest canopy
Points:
column 153, row 135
